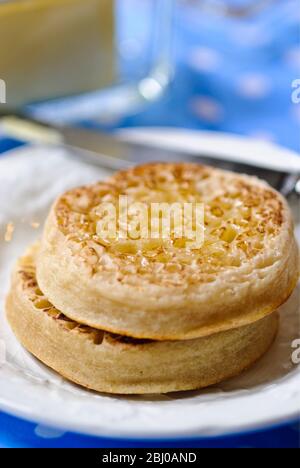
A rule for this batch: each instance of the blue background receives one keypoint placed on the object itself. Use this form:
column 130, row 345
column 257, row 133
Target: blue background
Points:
column 233, row 75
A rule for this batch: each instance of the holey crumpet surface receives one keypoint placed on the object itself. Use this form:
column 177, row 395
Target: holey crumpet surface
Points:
column 169, row 288
column 116, row 364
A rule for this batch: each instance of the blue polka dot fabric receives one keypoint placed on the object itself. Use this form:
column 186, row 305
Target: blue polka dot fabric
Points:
column 15, row 433
column 233, row 74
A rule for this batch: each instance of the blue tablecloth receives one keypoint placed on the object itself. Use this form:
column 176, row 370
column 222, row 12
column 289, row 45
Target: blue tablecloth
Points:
column 232, row 75
column 17, row 433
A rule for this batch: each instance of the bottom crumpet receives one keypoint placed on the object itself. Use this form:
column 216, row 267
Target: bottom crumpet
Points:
column 115, row 364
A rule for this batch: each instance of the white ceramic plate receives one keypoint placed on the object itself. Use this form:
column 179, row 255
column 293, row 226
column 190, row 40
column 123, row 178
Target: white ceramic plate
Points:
column 30, row 178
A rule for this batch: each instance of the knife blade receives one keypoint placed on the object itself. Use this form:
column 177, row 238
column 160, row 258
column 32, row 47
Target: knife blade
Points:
column 113, row 152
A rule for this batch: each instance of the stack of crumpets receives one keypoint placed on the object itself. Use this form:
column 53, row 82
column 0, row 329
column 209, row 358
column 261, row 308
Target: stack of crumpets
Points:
column 117, row 300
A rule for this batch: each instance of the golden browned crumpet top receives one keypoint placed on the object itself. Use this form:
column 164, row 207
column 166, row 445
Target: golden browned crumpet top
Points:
column 162, row 289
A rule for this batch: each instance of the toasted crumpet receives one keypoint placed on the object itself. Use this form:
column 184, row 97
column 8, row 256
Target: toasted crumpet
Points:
column 116, row 364
column 161, row 289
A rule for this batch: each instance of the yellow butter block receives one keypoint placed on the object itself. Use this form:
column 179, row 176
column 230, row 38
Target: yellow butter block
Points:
column 53, row 48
